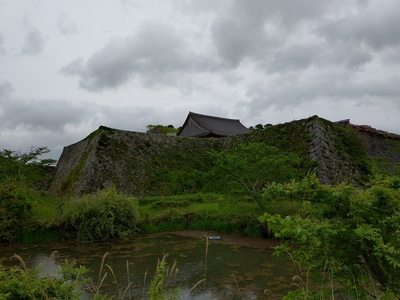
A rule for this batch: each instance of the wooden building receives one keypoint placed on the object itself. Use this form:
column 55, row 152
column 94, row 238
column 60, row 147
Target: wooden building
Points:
column 201, row 126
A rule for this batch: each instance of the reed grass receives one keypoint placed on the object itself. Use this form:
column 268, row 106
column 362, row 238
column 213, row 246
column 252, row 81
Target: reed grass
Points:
column 163, row 283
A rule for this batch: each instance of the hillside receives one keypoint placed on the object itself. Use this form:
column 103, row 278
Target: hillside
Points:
column 146, row 164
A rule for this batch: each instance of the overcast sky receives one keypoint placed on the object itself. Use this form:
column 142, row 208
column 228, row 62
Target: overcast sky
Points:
column 69, row 66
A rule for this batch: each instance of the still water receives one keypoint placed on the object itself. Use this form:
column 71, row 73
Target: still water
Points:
column 231, row 270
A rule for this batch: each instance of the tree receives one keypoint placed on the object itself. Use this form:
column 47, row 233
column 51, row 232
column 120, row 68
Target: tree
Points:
column 15, row 206
column 162, row 129
column 355, row 233
column 25, row 166
column 250, row 167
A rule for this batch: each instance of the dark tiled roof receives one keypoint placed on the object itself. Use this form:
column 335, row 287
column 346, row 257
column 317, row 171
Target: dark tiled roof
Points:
column 216, row 126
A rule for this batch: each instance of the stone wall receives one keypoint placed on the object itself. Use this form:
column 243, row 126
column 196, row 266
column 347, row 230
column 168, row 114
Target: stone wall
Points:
column 319, row 149
column 132, row 161
column 141, row 164
column 338, row 151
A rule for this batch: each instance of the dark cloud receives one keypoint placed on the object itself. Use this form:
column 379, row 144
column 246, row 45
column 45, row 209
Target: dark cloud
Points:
column 277, row 36
column 294, row 58
column 52, row 115
column 6, row 88
column 373, row 25
column 333, row 85
column 156, row 54
column 33, row 43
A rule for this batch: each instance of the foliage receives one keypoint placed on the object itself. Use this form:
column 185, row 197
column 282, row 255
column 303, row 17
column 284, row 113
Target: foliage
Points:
column 22, row 283
column 162, row 129
column 260, row 126
column 15, row 206
column 101, row 216
column 250, row 167
column 26, row 166
column 356, row 232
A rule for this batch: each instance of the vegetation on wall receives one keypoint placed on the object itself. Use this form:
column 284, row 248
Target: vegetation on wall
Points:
column 289, row 137
column 352, row 149
column 248, row 168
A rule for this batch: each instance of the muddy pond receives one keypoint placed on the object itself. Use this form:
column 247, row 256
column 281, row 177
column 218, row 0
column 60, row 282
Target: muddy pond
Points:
column 233, row 267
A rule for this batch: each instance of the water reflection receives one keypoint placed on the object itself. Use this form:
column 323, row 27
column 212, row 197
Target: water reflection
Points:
column 231, row 271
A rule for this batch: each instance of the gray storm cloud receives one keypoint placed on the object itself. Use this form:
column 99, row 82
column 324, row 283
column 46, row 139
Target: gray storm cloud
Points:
column 154, row 51
column 33, row 43
column 6, row 88
column 41, row 114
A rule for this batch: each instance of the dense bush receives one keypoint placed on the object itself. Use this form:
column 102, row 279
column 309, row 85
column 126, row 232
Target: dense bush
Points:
column 101, row 216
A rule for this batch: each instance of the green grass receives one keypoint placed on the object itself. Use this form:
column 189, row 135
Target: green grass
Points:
column 201, row 211
column 45, row 208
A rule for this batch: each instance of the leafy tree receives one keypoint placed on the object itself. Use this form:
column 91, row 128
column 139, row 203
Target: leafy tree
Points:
column 354, row 232
column 15, row 206
column 26, row 166
column 260, row 127
column 162, row 129
column 248, row 168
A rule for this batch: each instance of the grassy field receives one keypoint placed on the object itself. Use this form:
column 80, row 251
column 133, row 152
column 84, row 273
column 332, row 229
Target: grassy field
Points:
column 200, row 211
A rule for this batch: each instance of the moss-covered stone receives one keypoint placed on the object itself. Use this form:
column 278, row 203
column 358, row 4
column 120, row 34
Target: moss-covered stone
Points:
column 141, row 164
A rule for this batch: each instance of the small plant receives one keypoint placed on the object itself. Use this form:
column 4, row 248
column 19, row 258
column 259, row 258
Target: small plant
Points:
column 160, row 281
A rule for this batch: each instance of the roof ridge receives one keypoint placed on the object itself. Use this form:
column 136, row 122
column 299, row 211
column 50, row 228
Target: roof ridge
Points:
column 214, row 117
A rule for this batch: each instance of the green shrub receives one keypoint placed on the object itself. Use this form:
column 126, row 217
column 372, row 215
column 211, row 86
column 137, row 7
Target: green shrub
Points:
column 101, row 216
column 15, row 206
